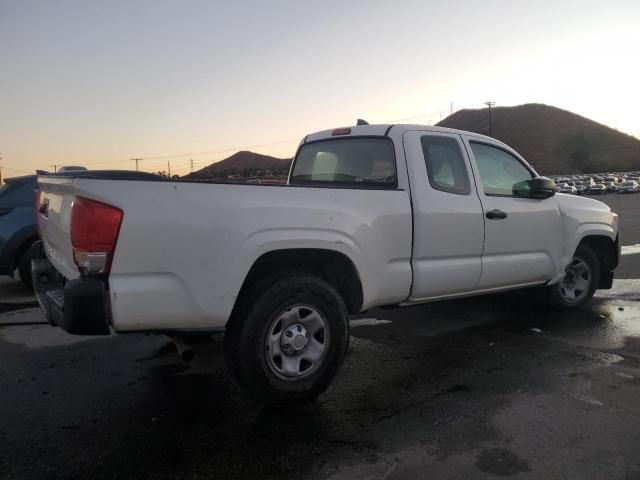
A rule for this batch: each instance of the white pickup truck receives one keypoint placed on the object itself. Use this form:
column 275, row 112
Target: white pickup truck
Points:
column 372, row 215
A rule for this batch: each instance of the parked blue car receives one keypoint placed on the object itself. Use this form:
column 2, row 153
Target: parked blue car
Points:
column 17, row 226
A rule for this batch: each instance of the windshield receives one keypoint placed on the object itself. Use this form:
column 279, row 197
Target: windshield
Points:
column 361, row 162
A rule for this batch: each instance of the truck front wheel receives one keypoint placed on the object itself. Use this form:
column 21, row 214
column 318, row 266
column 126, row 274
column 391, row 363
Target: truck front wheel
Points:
column 287, row 339
column 580, row 281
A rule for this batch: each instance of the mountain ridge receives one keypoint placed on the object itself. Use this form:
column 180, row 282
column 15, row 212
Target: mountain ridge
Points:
column 245, row 163
column 553, row 140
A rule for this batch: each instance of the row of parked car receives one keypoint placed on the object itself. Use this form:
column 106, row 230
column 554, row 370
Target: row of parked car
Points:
column 599, row 184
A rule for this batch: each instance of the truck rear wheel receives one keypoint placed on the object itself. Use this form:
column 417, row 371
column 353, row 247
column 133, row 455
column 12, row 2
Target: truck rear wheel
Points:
column 288, row 339
column 580, row 282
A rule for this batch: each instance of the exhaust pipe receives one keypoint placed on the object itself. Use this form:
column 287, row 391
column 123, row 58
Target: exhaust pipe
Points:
column 184, row 349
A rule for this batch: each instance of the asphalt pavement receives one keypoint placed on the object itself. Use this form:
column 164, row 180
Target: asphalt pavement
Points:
column 497, row 386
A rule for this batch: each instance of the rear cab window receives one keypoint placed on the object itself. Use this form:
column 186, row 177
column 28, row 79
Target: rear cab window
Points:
column 353, row 162
column 446, row 166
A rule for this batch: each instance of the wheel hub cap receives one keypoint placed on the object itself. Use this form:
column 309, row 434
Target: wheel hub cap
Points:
column 297, row 342
column 295, row 338
column 577, row 281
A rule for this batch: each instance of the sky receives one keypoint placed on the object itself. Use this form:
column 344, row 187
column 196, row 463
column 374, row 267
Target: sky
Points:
column 97, row 83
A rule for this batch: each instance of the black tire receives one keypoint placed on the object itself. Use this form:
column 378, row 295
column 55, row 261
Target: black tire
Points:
column 24, row 268
column 246, row 337
column 558, row 297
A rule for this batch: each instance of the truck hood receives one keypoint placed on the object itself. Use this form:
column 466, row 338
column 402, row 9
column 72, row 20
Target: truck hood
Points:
column 580, row 210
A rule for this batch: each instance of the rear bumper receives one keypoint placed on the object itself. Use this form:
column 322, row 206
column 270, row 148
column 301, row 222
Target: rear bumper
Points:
column 79, row 306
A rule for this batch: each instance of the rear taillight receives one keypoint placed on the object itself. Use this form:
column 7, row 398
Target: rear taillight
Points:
column 38, row 196
column 94, row 232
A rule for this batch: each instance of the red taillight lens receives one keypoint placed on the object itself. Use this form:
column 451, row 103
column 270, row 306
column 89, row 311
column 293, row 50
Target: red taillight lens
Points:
column 38, row 231
column 341, row 131
column 94, row 232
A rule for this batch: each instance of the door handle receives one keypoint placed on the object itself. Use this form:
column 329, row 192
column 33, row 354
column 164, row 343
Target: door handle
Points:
column 496, row 214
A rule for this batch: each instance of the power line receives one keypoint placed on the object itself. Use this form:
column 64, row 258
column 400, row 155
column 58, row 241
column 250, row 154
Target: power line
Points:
column 106, row 161
column 187, row 166
column 437, row 113
column 400, row 120
column 210, row 152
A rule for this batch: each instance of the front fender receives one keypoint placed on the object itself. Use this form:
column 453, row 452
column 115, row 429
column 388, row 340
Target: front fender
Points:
column 578, row 233
column 581, row 218
column 596, row 229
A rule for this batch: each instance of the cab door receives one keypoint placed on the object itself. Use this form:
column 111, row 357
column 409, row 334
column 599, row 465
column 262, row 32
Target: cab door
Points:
column 448, row 223
column 523, row 236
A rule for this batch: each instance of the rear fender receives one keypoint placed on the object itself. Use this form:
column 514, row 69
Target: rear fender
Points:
column 269, row 240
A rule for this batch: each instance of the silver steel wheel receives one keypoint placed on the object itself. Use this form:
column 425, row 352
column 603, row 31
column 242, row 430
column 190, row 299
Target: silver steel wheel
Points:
column 577, row 281
column 297, row 341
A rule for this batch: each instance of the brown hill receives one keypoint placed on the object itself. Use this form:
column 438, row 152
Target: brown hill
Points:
column 553, row 140
column 244, row 163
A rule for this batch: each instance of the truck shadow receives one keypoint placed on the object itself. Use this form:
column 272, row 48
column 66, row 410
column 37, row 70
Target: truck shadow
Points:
column 516, row 312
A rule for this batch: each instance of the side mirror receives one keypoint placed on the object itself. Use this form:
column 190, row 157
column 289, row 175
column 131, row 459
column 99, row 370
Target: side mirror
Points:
column 539, row 187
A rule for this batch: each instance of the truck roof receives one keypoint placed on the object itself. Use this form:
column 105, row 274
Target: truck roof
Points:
column 384, row 129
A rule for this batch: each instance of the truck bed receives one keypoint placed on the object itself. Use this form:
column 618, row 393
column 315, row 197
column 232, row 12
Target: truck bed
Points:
column 185, row 248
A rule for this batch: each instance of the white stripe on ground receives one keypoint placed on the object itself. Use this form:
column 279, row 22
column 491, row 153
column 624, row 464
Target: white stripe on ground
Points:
column 622, row 288
column 631, row 249
column 368, row 322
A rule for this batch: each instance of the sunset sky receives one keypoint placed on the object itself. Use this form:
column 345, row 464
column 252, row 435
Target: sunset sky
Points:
column 100, row 82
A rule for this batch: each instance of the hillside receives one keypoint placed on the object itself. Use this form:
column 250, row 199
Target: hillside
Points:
column 245, row 164
column 553, row 140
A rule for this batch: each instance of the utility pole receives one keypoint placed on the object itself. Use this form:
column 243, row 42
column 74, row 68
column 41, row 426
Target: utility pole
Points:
column 450, row 108
column 136, row 160
column 0, row 169
column 490, row 104
column 55, row 168
column 192, row 165
column 169, row 167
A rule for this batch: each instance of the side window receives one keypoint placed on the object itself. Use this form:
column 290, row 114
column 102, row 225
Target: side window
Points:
column 446, row 166
column 499, row 170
